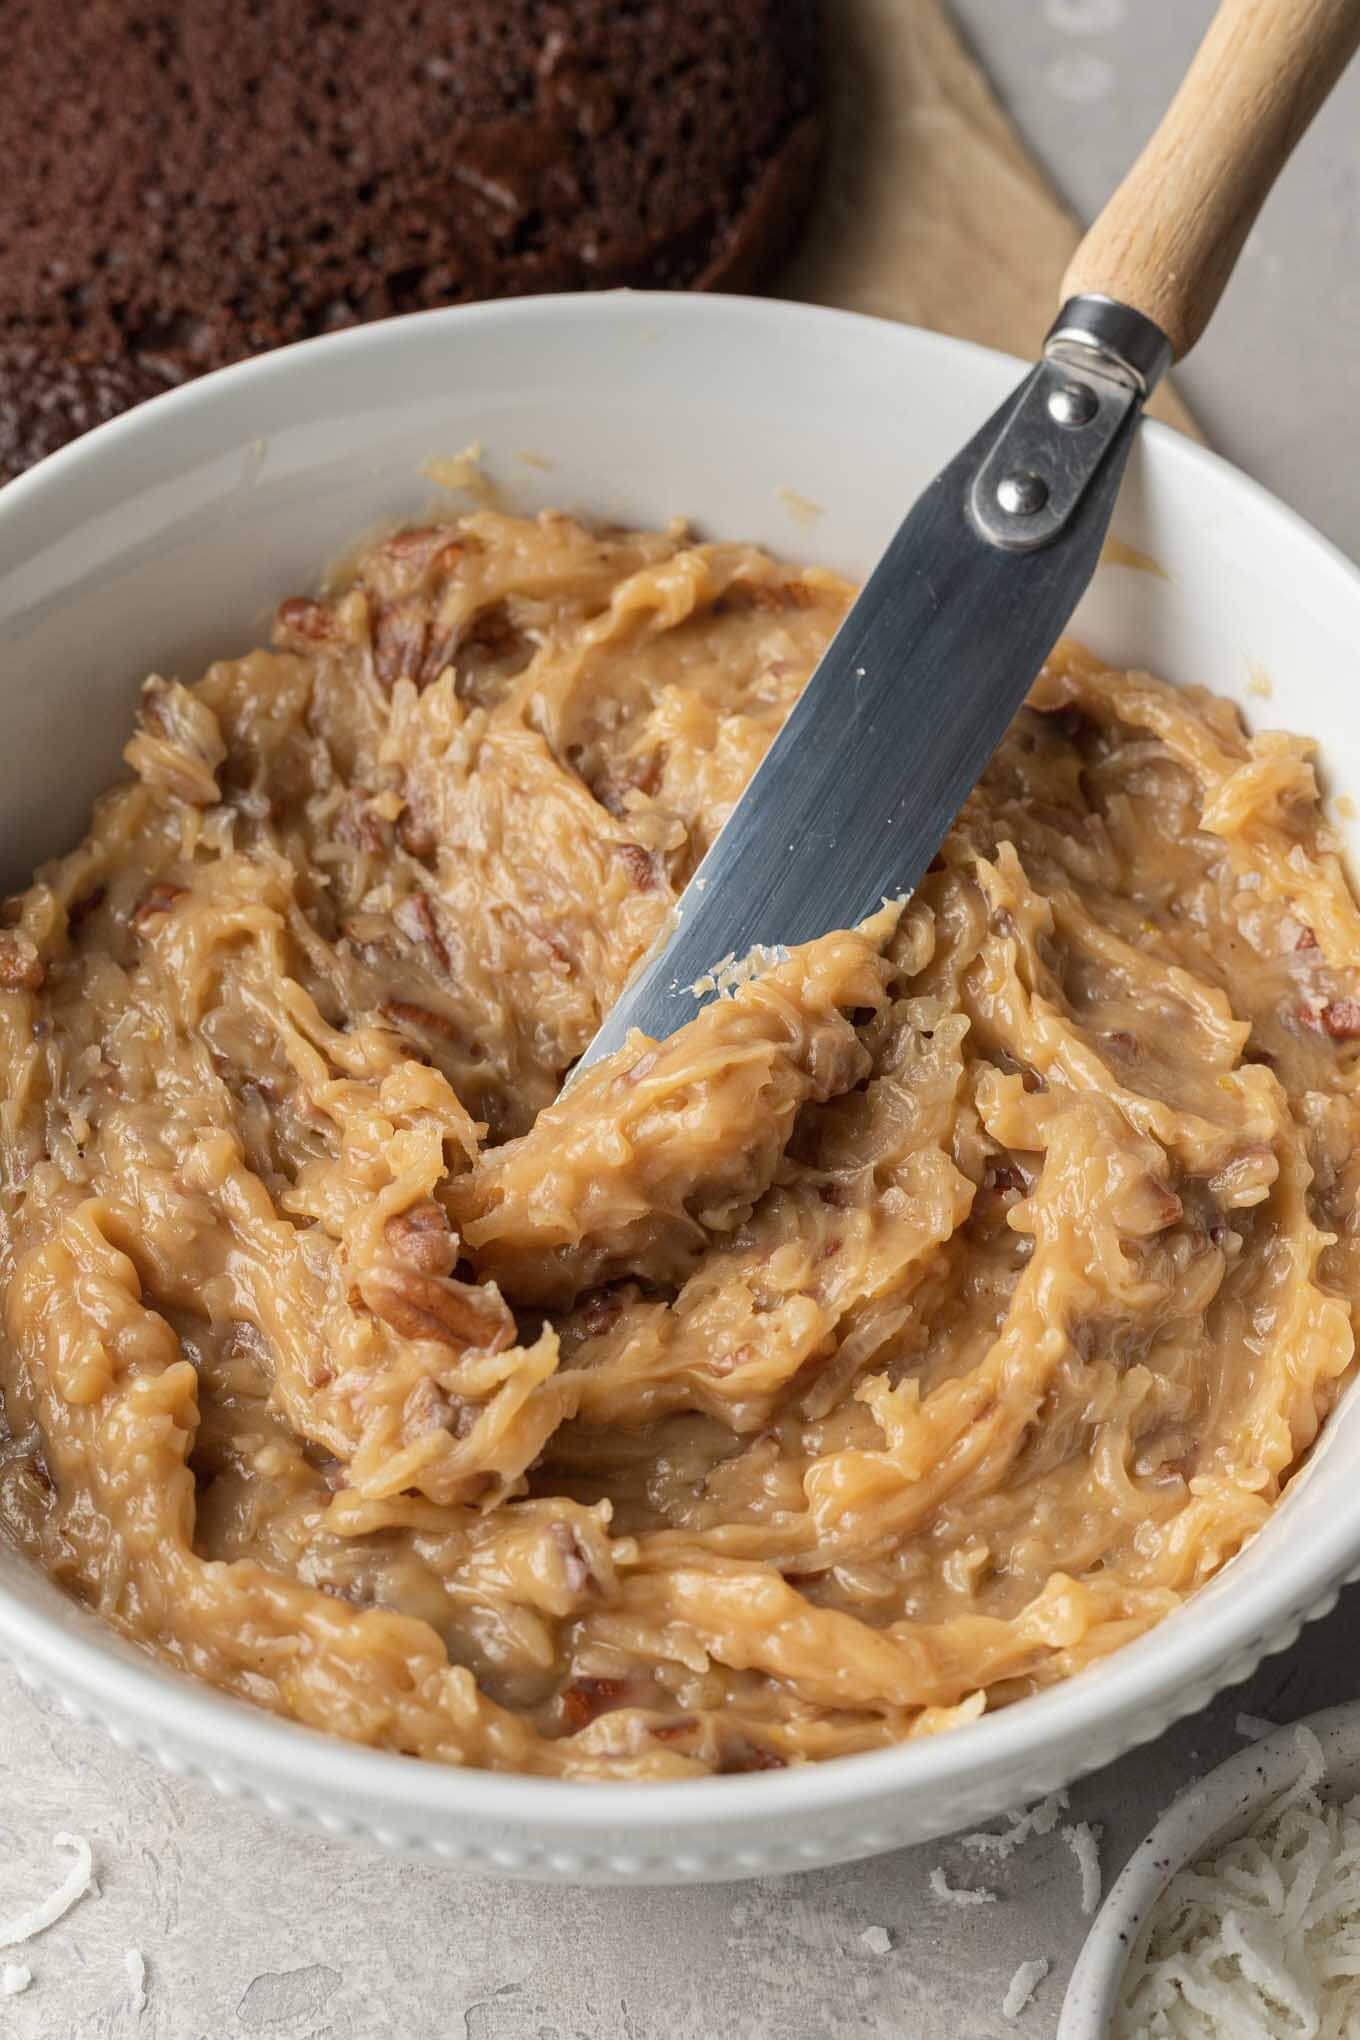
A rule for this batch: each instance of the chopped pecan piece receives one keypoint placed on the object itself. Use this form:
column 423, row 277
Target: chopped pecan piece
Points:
column 1306, row 939
column 461, row 1315
column 416, row 829
column 21, row 967
column 640, row 864
column 422, row 1237
column 428, row 553
column 493, row 631
column 772, row 596
column 399, row 642
column 576, row 1567
column 741, row 1754
column 585, row 1699
column 157, row 899
column 595, row 1314
column 555, row 947
column 491, row 650
column 723, row 1363
column 1342, row 1019
column 358, row 825
column 634, row 775
column 40, row 1473
column 463, row 1420
column 79, row 911
column 675, row 1730
column 408, row 1017
column 305, row 624
column 416, row 542
column 415, row 916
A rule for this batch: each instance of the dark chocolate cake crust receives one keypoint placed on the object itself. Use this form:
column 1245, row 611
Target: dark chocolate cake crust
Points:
column 189, row 183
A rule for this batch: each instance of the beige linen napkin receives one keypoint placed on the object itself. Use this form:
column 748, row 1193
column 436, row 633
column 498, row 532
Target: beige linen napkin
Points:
column 932, row 209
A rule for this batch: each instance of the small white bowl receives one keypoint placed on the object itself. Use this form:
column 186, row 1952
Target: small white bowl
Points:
column 164, row 538
column 1200, row 1821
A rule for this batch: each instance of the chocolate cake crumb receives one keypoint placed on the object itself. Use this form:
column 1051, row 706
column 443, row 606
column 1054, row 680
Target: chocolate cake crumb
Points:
column 185, row 186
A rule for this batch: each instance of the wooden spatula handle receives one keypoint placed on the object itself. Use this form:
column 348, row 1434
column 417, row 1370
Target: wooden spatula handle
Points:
column 1167, row 241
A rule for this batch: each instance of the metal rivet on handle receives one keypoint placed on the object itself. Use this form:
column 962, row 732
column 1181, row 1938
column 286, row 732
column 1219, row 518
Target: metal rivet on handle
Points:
column 1073, row 404
column 1021, row 495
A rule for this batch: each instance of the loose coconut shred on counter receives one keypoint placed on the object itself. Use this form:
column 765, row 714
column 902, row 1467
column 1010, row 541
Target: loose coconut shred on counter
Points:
column 1022, row 1987
column 15, row 1977
column 928, row 1318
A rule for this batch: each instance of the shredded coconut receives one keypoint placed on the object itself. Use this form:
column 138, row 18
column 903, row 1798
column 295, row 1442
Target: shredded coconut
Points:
column 73, row 1886
column 1254, row 1727
column 14, row 1977
column 1084, row 1842
column 135, row 1964
column 1261, row 1940
column 801, row 509
column 957, row 1894
column 1040, row 1819
column 1023, row 1985
column 735, row 970
column 877, row 1940
column 463, row 471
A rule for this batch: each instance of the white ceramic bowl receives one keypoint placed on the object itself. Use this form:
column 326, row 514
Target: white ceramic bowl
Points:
column 1199, row 1822
column 166, row 536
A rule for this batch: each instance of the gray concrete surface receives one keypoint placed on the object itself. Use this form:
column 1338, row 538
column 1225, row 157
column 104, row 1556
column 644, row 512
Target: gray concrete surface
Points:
column 1276, row 379
column 248, row 1928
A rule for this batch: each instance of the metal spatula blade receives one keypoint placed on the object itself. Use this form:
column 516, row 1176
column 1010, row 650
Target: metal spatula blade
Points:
column 918, row 686
column 932, row 662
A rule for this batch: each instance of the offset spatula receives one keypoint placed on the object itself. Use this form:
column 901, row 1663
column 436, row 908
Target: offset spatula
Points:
column 919, row 684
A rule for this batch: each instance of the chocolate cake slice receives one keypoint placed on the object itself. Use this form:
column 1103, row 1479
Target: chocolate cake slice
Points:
column 189, row 183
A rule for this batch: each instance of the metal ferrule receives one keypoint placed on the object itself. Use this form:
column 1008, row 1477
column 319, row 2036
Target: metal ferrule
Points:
column 1100, row 333
column 1100, row 362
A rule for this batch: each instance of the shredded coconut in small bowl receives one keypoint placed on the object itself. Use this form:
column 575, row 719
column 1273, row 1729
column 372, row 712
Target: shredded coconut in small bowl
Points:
column 1261, row 1941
